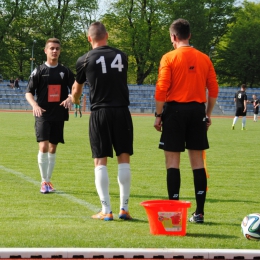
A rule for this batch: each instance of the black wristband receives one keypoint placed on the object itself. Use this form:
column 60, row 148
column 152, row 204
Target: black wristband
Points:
column 157, row 115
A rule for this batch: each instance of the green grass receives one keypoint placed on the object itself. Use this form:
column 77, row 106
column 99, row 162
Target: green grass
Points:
column 30, row 219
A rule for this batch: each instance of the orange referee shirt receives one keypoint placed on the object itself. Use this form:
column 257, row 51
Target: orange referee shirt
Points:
column 184, row 76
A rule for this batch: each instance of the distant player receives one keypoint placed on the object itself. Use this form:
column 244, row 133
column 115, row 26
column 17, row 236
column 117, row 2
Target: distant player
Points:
column 77, row 108
column 240, row 99
column 255, row 103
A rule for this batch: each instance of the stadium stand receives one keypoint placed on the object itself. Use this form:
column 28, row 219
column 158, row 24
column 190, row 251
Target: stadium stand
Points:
column 13, row 98
column 226, row 96
column 141, row 98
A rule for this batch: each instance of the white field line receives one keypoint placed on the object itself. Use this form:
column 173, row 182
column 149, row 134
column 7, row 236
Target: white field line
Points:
column 59, row 192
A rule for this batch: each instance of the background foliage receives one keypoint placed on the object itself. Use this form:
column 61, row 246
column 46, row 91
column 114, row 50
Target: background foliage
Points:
column 139, row 27
column 238, row 55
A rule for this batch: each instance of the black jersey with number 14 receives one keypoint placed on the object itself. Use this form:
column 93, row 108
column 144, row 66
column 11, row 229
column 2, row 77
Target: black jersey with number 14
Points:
column 105, row 71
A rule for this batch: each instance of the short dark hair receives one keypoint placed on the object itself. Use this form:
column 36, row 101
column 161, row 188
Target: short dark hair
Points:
column 55, row 40
column 243, row 86
column 180, row 28
column 97, row 31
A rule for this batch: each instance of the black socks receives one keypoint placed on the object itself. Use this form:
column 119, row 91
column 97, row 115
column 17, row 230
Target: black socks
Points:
column 200, row 185
column 173, row 183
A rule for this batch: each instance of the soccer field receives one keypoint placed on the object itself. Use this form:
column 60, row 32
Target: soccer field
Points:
column 31, row 219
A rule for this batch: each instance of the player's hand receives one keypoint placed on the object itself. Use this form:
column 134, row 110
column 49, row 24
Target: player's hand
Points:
column 37, row 111
column 66, row 103
column 158, row 124
column 208, row 122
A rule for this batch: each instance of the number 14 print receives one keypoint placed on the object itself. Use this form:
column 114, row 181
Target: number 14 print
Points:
column 116, row 63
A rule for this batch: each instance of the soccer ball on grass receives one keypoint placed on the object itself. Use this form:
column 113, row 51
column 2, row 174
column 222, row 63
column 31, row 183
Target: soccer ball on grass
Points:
column 250, row 226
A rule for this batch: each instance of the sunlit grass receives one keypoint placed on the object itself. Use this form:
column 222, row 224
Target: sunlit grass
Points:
column 30, row 219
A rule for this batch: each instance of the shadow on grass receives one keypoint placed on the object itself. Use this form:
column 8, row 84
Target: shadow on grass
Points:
column 76, row 193
column 234, row 224
column 117, row 220
column 134, row 220
column 114, row 195
column 151, row 197
column 218, row 236
column 230, row 200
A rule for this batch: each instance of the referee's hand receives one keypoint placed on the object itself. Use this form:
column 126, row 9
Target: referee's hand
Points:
column 208, row 122
column 158, row 124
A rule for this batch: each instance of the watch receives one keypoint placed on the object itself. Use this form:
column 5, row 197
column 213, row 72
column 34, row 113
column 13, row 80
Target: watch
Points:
column 157, row 115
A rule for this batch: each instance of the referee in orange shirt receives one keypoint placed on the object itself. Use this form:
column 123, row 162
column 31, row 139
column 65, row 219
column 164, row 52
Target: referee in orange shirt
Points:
column 185, row 94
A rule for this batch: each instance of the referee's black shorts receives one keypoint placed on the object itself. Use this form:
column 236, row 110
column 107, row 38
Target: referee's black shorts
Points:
column 184, row 126
column 111, row 128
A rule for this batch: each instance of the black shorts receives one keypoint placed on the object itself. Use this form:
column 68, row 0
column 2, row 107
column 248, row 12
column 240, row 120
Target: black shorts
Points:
column 256, row 111
column 110, row 128
column 184, row 126
column 51, row 131
column 240, row 111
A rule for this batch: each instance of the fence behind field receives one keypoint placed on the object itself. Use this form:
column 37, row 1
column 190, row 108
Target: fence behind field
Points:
column 141, row 98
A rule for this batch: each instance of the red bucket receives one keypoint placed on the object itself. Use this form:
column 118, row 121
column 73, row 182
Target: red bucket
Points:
column 167, row 217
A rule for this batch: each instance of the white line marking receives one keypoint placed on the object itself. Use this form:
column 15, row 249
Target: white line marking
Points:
column 59, row 192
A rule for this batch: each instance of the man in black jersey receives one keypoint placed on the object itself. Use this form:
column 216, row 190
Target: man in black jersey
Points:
column 51, row 83
column 110, row 123
column 240, row 99
column 255, row 103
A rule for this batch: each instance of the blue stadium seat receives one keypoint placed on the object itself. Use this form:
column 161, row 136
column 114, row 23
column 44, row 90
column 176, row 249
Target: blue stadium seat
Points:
column 141, row 98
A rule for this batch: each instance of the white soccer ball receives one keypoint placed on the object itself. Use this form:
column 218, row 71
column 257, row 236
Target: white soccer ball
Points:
column 250, row 226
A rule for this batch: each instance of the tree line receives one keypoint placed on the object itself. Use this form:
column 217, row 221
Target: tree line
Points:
column 224, row 30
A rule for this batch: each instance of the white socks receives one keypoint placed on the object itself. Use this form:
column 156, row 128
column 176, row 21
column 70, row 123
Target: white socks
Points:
column 52, row 160
column 43, row 163
column 102, row 186
column 124, row 181
column 46, row 162
column 235, row 120
column 243, row 121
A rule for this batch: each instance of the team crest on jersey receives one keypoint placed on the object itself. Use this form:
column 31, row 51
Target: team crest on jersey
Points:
column 62, row 75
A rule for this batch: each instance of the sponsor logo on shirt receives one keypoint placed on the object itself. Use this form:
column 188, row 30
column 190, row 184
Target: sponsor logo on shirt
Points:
column 192, row 69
